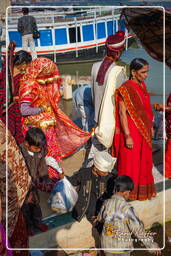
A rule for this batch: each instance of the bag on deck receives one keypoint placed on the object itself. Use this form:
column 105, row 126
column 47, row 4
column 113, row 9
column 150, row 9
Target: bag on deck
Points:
column 63, row 196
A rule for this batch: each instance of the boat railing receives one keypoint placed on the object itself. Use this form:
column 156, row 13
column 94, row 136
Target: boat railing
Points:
column 66, row 34
column 69, row 16
column 58, row 22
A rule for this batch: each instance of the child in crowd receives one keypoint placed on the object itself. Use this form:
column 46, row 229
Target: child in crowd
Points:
column 34, row 154
column 120, row 221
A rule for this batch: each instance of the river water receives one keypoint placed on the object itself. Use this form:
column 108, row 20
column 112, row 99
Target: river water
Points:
column 159, row 77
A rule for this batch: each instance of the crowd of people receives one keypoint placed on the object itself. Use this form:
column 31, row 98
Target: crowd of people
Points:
column 119, row 159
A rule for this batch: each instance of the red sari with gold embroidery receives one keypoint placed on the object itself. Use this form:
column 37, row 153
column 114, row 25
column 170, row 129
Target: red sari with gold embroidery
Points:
column 136, row 162
column 168, row 142
column 40, row 87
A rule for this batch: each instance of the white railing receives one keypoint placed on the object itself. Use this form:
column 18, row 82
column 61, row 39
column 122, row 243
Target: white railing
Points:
column 70, row 22
column 56, row 15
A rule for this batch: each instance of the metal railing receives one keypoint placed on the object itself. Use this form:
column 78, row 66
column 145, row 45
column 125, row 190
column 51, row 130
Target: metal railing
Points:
column 59, row 13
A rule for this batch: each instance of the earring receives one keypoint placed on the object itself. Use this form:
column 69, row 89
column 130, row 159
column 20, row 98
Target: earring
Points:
column 133, row 77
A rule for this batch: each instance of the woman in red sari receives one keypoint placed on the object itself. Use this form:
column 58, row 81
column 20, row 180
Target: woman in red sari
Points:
column 167, row 110
column 133, row 134
column 39, row 98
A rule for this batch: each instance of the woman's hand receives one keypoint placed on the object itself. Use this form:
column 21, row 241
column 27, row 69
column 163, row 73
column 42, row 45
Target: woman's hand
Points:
column 61, row 175
column 42, row 109
column 158, row 107
column 129, row 141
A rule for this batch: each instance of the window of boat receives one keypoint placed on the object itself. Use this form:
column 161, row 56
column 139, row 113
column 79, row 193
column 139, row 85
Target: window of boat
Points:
column 72, row 35
column 100, row 30
column 46, row 37
column 111, row 27
column 15, row 36
column 88, row 32
column 61, row 36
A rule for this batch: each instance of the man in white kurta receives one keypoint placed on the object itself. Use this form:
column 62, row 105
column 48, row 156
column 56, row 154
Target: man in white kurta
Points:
column 106, row 75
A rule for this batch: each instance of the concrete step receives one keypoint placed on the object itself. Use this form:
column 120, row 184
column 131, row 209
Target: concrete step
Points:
column 65, row 233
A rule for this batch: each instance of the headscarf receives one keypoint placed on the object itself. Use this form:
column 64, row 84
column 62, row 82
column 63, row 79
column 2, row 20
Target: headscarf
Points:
column 103, row 161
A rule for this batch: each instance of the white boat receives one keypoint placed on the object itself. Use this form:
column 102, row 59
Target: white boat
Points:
column 71, row 34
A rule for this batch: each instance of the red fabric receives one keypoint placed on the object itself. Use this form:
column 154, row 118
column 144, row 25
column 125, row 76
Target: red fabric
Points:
column 63, row 136
column 136, row 162
column 103, row 69
column 2, row 91
column 14, row 115
column 19, row 238
column 168, row 143
column 139, row 110
column 113, row 40
column 168, row 160
column 168, row 119
column 111, row 51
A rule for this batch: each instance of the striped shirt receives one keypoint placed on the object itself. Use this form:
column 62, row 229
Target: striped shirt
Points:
column 120, row 221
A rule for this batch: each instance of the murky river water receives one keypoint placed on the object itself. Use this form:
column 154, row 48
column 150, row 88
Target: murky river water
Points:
column 158, row 80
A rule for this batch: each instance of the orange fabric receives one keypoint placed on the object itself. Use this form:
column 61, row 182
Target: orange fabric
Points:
column 135, row 162
column 136, row 109
column 40, row 86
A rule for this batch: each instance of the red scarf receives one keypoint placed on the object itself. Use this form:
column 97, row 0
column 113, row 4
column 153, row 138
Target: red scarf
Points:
column 136, row 108
column 103, row 69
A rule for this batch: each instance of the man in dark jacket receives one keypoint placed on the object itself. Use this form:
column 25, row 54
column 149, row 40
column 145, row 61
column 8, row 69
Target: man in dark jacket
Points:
column 26, row 26
column 94, row 186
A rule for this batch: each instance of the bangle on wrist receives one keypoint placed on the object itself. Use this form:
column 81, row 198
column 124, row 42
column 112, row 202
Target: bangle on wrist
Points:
column 127, row 135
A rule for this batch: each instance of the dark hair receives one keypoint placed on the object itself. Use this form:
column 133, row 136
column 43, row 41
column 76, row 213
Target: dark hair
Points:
column 25, row 10
column 123, row 183
column 22, row 56
column 35, row 137
column 137, row 64
column 110, row 53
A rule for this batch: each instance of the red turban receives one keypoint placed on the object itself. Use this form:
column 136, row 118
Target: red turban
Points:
column 114, row 43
